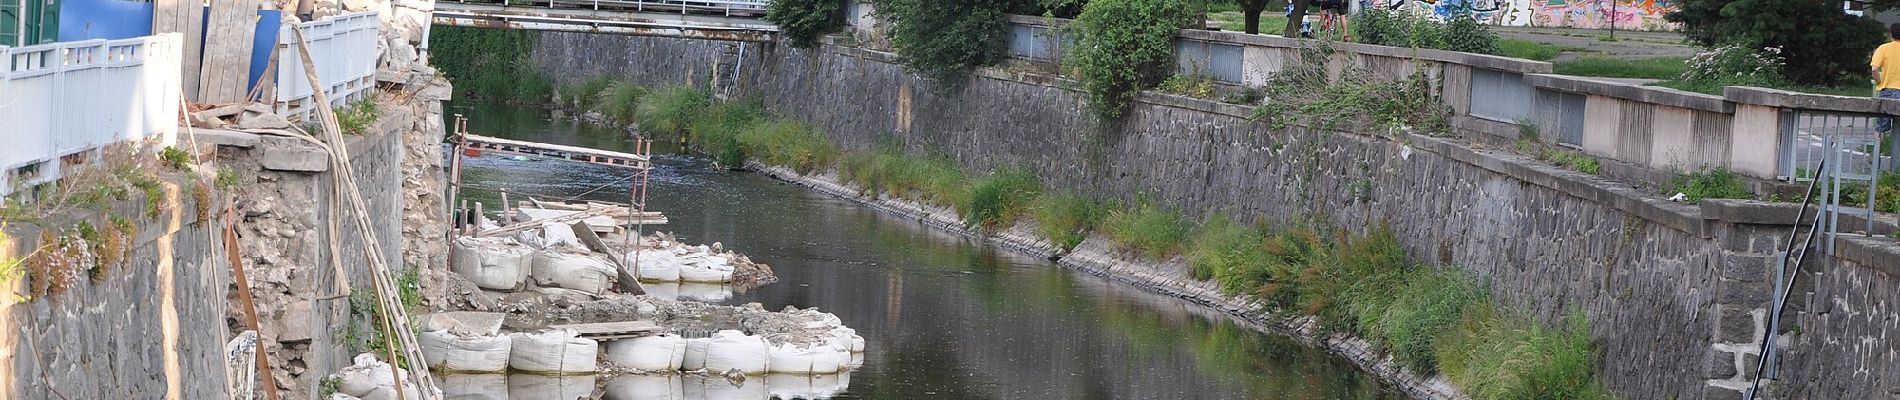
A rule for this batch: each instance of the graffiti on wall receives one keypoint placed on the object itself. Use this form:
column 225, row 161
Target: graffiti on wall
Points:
column 1588, row 14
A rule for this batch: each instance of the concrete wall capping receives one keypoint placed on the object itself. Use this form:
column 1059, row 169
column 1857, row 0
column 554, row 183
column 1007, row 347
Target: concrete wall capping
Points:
column 1484, row 61
column 1872, row 252
column 1646, row 94
column 1810, row 101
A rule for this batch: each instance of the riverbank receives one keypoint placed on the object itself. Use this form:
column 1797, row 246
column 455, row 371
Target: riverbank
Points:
column 1099, row 256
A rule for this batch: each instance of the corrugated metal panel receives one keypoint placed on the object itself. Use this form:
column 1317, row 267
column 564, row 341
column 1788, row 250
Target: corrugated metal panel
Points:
column 1036, row 42
column 1500, row 96
column 1570, row 113
column 1219, row 61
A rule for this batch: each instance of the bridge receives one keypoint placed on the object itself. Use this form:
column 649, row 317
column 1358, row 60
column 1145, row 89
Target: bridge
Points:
column 737, row 20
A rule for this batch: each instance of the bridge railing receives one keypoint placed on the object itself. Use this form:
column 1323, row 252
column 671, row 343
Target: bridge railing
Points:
column 61, row 102
column 344, row 48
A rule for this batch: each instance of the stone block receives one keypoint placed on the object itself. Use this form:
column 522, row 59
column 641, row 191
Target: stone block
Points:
column 299, row 158
column 1746, row 294
column 1750, row 269
column 1721, row 365
column 1738, row 325
column 1720, row 393
column 294, row 324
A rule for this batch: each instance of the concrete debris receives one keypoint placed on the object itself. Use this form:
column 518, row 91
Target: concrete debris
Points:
column 373, row 379
column 465, row 323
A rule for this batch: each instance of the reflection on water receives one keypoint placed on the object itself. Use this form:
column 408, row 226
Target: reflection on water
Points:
column 943, row 316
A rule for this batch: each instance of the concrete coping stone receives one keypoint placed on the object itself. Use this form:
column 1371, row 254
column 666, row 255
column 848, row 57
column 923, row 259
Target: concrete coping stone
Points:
column 221, row 137
column 1788, row 99
column 1646, row 94
column 1882, row 254
column 1485, row 61
column 1752, row 211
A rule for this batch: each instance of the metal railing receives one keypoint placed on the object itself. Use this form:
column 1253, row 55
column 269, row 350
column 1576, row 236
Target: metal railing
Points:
column 344, row 48
column 726, row 7
column 1807, row 133
column 60, row 102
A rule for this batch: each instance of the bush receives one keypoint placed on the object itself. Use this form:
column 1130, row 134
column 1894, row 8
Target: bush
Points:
column 1305, row 94
column 1066, row 219
column 1464, row 33
column 804, row 21
column 941, row 39
column 1154, row 230
column 357, row 117
column 1822, row 45
column 996, row 199
column 1122, row 47
column 1710, row 184
column 670, row 110
column 587, row 91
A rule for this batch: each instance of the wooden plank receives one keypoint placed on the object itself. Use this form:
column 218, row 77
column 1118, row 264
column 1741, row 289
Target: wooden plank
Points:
column 226, row 67
column 626, row 283
column 185, row 17
column 570, row 149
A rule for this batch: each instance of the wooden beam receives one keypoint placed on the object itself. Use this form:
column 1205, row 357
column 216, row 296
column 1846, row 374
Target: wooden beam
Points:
column 226, row 68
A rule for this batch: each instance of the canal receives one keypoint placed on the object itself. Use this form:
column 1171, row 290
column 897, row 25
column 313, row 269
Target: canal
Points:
column 943, row 316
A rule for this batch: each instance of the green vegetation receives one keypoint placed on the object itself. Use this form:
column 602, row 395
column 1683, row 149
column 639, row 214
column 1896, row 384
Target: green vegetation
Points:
column 617, row 102
column 1305, row 94
column 1224, row 250
column 1066, row 219
column 943, row 39
column 489, row 63
column 1426, row 305
column 227, row 178
column 1152, row 229
column 1531, row 50
column 154, row 195
column 997, row 198
column 1495, row 357
column 1709, row 184
column 669, row 110
column 357, row 117
column 804, row 21
column 784, row 142
column 888, row 171
column 1647, row 68
column 1188, row 85
column 1825, row 48
column 175, row 158
column 1122, row 47
column 1406, row 29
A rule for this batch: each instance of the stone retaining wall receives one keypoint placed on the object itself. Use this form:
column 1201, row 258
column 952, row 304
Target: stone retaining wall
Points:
column 1662, row 283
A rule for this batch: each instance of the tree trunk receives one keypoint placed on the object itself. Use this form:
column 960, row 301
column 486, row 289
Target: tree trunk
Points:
column 1293, row 20
column 1252, row 12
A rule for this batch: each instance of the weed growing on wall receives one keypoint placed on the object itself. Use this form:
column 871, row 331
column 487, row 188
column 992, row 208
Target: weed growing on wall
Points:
column 802, row 22
column 1304, row 94
column 1717, row 183
column 357, row 117
column 1122, row 47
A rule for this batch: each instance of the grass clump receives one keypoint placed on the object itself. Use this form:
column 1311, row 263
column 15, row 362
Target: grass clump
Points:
column 670, row 110
column 175, row 158
column 618, row 102
column 888, row 171
column 1153, row 230
column 1572, row 159
column 1427, row 305
column 998, row 198
column 1307, row 94
column 784, row 142
column 1646, row 68
column 1495, row 357
column 1716, row 183
column 1228, row 252
column 1066, row 219
column 357, row 117
column 1530, row 50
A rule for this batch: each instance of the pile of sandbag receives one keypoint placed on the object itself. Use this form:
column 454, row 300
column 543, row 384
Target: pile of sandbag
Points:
column 650, row 353
column 450, row 352
column 655, row 265
column 672, row 262
column 559, row 351
column 705, row 268
column 492, row 263
column 569, row 267
column 372, row 379
column 733, row 350
column 813, row 387
column 809, row 359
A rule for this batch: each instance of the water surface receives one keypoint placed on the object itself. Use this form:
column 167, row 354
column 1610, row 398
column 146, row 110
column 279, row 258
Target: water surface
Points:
column 943, row 316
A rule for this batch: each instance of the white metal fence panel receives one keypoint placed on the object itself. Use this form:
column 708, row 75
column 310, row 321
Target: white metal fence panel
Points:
column 1501, row 96
column 64, row 100
column 344, row 48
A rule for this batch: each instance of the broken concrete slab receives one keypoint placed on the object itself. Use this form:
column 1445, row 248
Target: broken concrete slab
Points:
column 300, row 158
column 223, row 137
column 465, row 323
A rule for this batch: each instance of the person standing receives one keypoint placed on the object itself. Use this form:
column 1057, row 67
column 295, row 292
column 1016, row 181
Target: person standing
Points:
column 1886, row 70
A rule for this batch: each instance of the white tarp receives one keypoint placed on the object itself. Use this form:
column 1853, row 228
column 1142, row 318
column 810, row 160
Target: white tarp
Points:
column 568, row 268
column 649, row 354
column 731, row 350
column 492, row 263
column 449, row 352
column 558, row 351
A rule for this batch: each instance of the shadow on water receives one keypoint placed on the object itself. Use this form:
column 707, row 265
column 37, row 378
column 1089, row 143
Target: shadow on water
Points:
column 943, row 316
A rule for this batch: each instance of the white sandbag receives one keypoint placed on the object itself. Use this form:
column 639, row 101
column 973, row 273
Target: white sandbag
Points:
column 558, row 351
column 829, row 386
column 530, row 238
column 646, row 387
column 788, row 387
column 718, row 388
column 366, row 375
column 656, row 265
column 567, row 268
column 449, row 352
column 700, row 273
column 474, row 387
column 556, row 234
column 662, row 290
column 650, row 354
column 706, row 292
column 492, row 263
column 540, row 387
column 731, row 350
column 695, row 357
column 794, row 359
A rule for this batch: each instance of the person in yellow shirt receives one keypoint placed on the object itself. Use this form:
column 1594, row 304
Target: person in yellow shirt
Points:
column 1886, row 69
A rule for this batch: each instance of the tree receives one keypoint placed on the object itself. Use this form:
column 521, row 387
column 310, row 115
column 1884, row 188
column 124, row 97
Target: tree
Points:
column 1821, row 44
column 1124, row 46
column 804, row 21
column 941, row 39
column 1250, row 10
